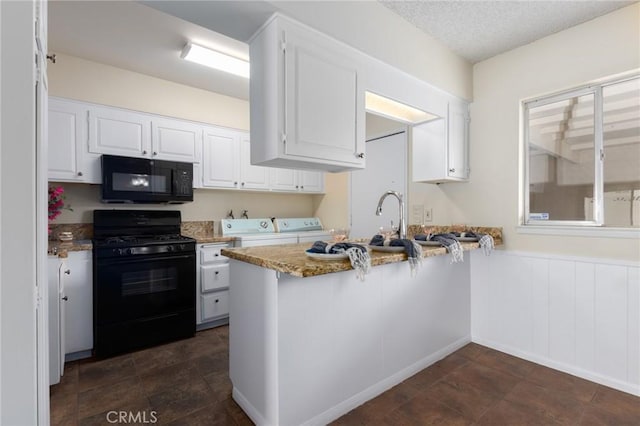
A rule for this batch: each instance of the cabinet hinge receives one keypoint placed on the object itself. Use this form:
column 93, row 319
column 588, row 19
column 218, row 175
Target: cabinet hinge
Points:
column 36, row 71
column 284, row 138
column 602, row 155
column 283, row 46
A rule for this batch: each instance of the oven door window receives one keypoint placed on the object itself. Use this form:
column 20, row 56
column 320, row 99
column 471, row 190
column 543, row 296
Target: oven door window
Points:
column 144, row 286
column 156, row 280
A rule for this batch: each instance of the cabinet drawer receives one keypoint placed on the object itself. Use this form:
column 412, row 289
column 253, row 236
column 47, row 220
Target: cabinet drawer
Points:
column 213, row 277
column 215, row 305
column 212, row 254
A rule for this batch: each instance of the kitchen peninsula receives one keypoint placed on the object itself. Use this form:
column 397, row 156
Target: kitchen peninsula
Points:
column 309, row 341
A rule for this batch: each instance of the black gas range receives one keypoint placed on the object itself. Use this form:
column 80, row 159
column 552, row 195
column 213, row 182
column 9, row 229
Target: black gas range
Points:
column 144, row 282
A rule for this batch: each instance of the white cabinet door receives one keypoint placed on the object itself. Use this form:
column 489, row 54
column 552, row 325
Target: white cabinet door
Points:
column 78, row 288
column 56, row 308
column 67, row 137
column 284, row 179
column 220, row 158
column 251, row 177
column 307, row 101
column 119, row 132
column 440, row 148
column 311, row 181
column 458, row 164
column 175, row 140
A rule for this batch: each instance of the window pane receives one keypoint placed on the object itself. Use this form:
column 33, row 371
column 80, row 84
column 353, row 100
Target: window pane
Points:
column 561, row 159
column 621, row 116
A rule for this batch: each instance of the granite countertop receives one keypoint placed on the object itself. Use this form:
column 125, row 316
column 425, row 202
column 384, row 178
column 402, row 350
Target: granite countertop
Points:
column 62, row 248
column 291, row 258
column 213, row 239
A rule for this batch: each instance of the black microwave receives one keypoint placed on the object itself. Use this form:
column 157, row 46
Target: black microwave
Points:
column 140, row 180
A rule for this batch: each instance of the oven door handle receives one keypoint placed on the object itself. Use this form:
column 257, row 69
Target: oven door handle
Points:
column 145, row 258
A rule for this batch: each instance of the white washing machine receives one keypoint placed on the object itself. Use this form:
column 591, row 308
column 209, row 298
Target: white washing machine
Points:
column 307, row 229
column 255, row 232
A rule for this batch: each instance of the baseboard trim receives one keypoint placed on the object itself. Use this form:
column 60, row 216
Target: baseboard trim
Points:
column 248, row 408
column 565, row 368
column 360, row 398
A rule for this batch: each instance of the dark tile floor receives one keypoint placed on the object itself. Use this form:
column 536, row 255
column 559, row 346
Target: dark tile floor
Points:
column 187, row 383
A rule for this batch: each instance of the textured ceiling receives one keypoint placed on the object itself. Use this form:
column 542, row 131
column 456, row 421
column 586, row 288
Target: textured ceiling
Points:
column 477, row 30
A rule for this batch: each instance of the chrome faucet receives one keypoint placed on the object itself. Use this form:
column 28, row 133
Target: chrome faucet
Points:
column 402, row 227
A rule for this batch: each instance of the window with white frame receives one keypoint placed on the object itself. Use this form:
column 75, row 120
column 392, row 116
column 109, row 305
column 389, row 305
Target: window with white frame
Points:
column 582, row 156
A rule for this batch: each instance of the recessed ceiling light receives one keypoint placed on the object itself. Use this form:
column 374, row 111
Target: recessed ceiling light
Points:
column 395, row 110
column 213, row 59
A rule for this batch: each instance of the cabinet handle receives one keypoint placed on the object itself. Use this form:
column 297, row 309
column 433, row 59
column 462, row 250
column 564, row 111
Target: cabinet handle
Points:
column 216, row 255
column 155, row 153
column 217, row 300
column 235, row 183
column 452, row 170
column 360, row 154
column 302, row 187
column 217, row 272
column 144, row 152
column 297, row 187
column 79, row 173
column 65, row 298
column 68, row 272
column 242, row 184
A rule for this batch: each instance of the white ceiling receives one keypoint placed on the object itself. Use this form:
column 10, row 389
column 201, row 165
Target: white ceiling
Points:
column 149, row 40
column 478, row 30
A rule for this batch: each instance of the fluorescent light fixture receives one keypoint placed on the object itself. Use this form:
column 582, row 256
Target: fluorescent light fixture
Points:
column 213, row 59
column 395, row 110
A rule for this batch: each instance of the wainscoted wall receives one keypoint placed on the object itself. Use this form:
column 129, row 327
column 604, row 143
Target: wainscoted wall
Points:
column 578, row 315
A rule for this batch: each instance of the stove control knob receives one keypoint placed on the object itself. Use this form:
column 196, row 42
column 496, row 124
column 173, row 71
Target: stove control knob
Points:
column 170, row 248
column 116, row 251
column 263, row 224
column 129, row 251
column 183, row 247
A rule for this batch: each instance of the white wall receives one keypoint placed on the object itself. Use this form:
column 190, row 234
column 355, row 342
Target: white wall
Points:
column 80, row 79
column 577, row 315
column 208, row 204
column 18, row 400
column 377, row 31
column 604, row 46
column 84, row 80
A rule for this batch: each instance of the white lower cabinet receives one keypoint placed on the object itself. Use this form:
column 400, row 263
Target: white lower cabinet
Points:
column 79, row 310
column 212, row 304
column 70, row 308
column 215, row 305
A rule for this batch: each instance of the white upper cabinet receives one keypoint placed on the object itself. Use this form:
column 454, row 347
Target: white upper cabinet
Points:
column 458, row 140
column 311, row 181
column 220, row 164
column 175, row 140
column 307, row 100
column 251, row 177
column 284, row 179
column 66, row 138
column 119, row 132
column 289, row 180
column 226, row 161
column 440, row 147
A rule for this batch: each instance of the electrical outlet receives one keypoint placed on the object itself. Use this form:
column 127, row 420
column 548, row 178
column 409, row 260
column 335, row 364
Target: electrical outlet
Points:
column 417, row 211
column 428, row 214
